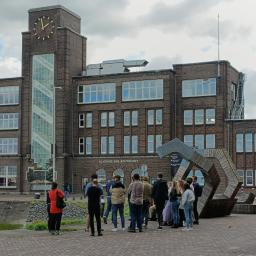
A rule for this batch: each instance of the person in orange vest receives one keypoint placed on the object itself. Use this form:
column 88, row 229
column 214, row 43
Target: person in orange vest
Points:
column 54, row 212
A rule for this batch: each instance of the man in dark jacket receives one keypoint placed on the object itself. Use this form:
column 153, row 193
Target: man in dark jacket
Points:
column 198, row 193
column 160, row 195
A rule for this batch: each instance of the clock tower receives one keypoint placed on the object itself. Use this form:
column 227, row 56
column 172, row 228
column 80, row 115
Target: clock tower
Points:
column 53, row 51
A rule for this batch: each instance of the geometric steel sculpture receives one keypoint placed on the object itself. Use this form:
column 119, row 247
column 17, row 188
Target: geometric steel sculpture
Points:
column 221, row 180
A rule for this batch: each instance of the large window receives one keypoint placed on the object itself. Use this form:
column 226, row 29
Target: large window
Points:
column 154, row 141
column 188, row 140
column 239, row 142
column 97, row 93
column 8, row 175
column 107, row 119
column 8, row 146
column 199, row 116
column 249, row 177
column 188, row 117
column 9, row 95
column 199, row 141
column 155, row 116
column 210, row 140
column 88, row 145
column 107, row 145
column 210, row 116
column 9, row 121
column 199, row 87
column 131, row 118
column 248, row 142
column 131, row 144
column 142, row 90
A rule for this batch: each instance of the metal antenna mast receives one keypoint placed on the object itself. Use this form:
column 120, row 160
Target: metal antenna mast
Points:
column 218, row 45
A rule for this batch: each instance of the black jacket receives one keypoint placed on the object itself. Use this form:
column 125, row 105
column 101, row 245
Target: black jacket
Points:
column 160, row 191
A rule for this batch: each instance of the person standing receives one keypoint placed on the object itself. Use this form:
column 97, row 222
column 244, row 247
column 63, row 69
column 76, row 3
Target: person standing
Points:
column 198, row 193
column 94, row 193
column 147, row 192
column 55, row 213
column 188, row 198
column 173, row 198
column 160, row 195
column 118, row 199
column 109, row 204
column 136, row 199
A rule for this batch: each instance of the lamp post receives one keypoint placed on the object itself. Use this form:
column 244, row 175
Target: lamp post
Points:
column 54, row 174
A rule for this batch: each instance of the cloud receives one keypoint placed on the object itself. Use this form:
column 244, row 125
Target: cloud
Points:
column 10, row 67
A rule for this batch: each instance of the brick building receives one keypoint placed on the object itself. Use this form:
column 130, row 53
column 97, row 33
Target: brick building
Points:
column 64, row 120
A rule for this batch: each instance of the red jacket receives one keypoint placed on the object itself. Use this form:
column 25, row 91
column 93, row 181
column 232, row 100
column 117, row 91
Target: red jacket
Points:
column 52, row 197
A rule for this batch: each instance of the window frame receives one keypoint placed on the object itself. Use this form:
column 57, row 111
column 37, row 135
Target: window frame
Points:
column 81, row 147
column 252, row 177
column 88, row 144
column 88, row 124
column 185, row 118
column 81, row 120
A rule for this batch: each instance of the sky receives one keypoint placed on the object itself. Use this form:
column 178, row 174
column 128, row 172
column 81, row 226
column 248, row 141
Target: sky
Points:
column 164, row 32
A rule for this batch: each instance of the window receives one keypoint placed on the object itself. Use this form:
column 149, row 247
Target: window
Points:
column 249, row 177
column 150, row 143
column 81, row 146
column 158, row 141
column 188, row 140
column 188, row 117
column 199, row 116
column 107, row 145
column 210, row 140
column 9, row 121
column 199, row 141
column 199, row 87
column 9, row 95
column 210, row 116
column 142, row 90
column 81, row 120
column 88, row 147
column 134, row 118
column 150, row 117
column 107, row 119
column 89, row 120
column 239, row 142
column 8, row 175
column 8, row 146
column 131, row 144
column 159, row 116
column 102, row 177
column 97, row 93
column 248, row 142
column 126, row 118
column 241, row 175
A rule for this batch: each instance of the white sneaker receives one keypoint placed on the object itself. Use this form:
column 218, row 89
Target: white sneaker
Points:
column 185, row 229
column 114, row 229
column 190, row 228
column 123, row 229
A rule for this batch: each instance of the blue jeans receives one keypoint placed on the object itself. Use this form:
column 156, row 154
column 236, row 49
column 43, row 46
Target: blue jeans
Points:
column 175, row 212
column 145, row 212
column 136, row 216
column 120, row 208
column 109, row 205
column 188, row 207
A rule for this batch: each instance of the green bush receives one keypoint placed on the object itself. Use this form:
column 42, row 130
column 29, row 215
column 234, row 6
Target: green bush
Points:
column 7, row 226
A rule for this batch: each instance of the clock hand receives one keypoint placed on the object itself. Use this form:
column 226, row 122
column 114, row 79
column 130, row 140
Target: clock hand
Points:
column 45, row 25
column 42, row 24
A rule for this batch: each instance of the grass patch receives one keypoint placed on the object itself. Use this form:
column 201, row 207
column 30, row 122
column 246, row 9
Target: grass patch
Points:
column 6, row 226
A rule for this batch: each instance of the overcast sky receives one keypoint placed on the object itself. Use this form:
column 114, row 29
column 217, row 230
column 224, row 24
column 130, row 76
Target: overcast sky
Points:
column 164, row 32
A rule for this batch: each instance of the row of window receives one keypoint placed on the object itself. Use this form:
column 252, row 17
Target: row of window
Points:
column 199, row 87
column 130, row 118
column 9, row 95
column 130, row 144
column 199, row 116
column 246, row 142
column 248, row 177
column 9, row 121
column 200, row 141
column 131, row 91
column 8, row 175
column 8, row 146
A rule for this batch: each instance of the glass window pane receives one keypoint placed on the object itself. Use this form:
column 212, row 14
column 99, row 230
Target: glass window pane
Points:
column 199, row 141
column 241, row 175
column 199, row 116
column 126, row 144
column 150, row 143
column 88, row 145
column 89, row 120
column 126, row 118
column 188, row 140
column 239, row 142
column 104, row 116
column 158, row 141
column 159, row 116
column 210, row 116
column 134, row 144
column 111, row 144
column 81, row 120
column 188, row 117
column 134, row 118
column 103, row 145
column 9, row 95
column 210, row 141
column 81, row 146
column 249, row 177
column 248, row 142
column 150, row 117
column 111, row 121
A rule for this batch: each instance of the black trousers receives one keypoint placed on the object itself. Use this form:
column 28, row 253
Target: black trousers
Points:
column 95, row 211
column 159, row 211
column 195, row 209
column 54, row 221
column 182, row 217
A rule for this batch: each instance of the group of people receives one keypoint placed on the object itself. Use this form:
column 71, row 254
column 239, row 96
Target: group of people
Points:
column 175, row 203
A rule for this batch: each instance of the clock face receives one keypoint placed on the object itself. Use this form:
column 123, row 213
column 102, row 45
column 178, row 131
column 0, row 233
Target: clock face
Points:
column 44, row 28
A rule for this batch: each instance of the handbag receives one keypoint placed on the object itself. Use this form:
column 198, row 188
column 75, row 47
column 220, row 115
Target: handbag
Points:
column 60, row 202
